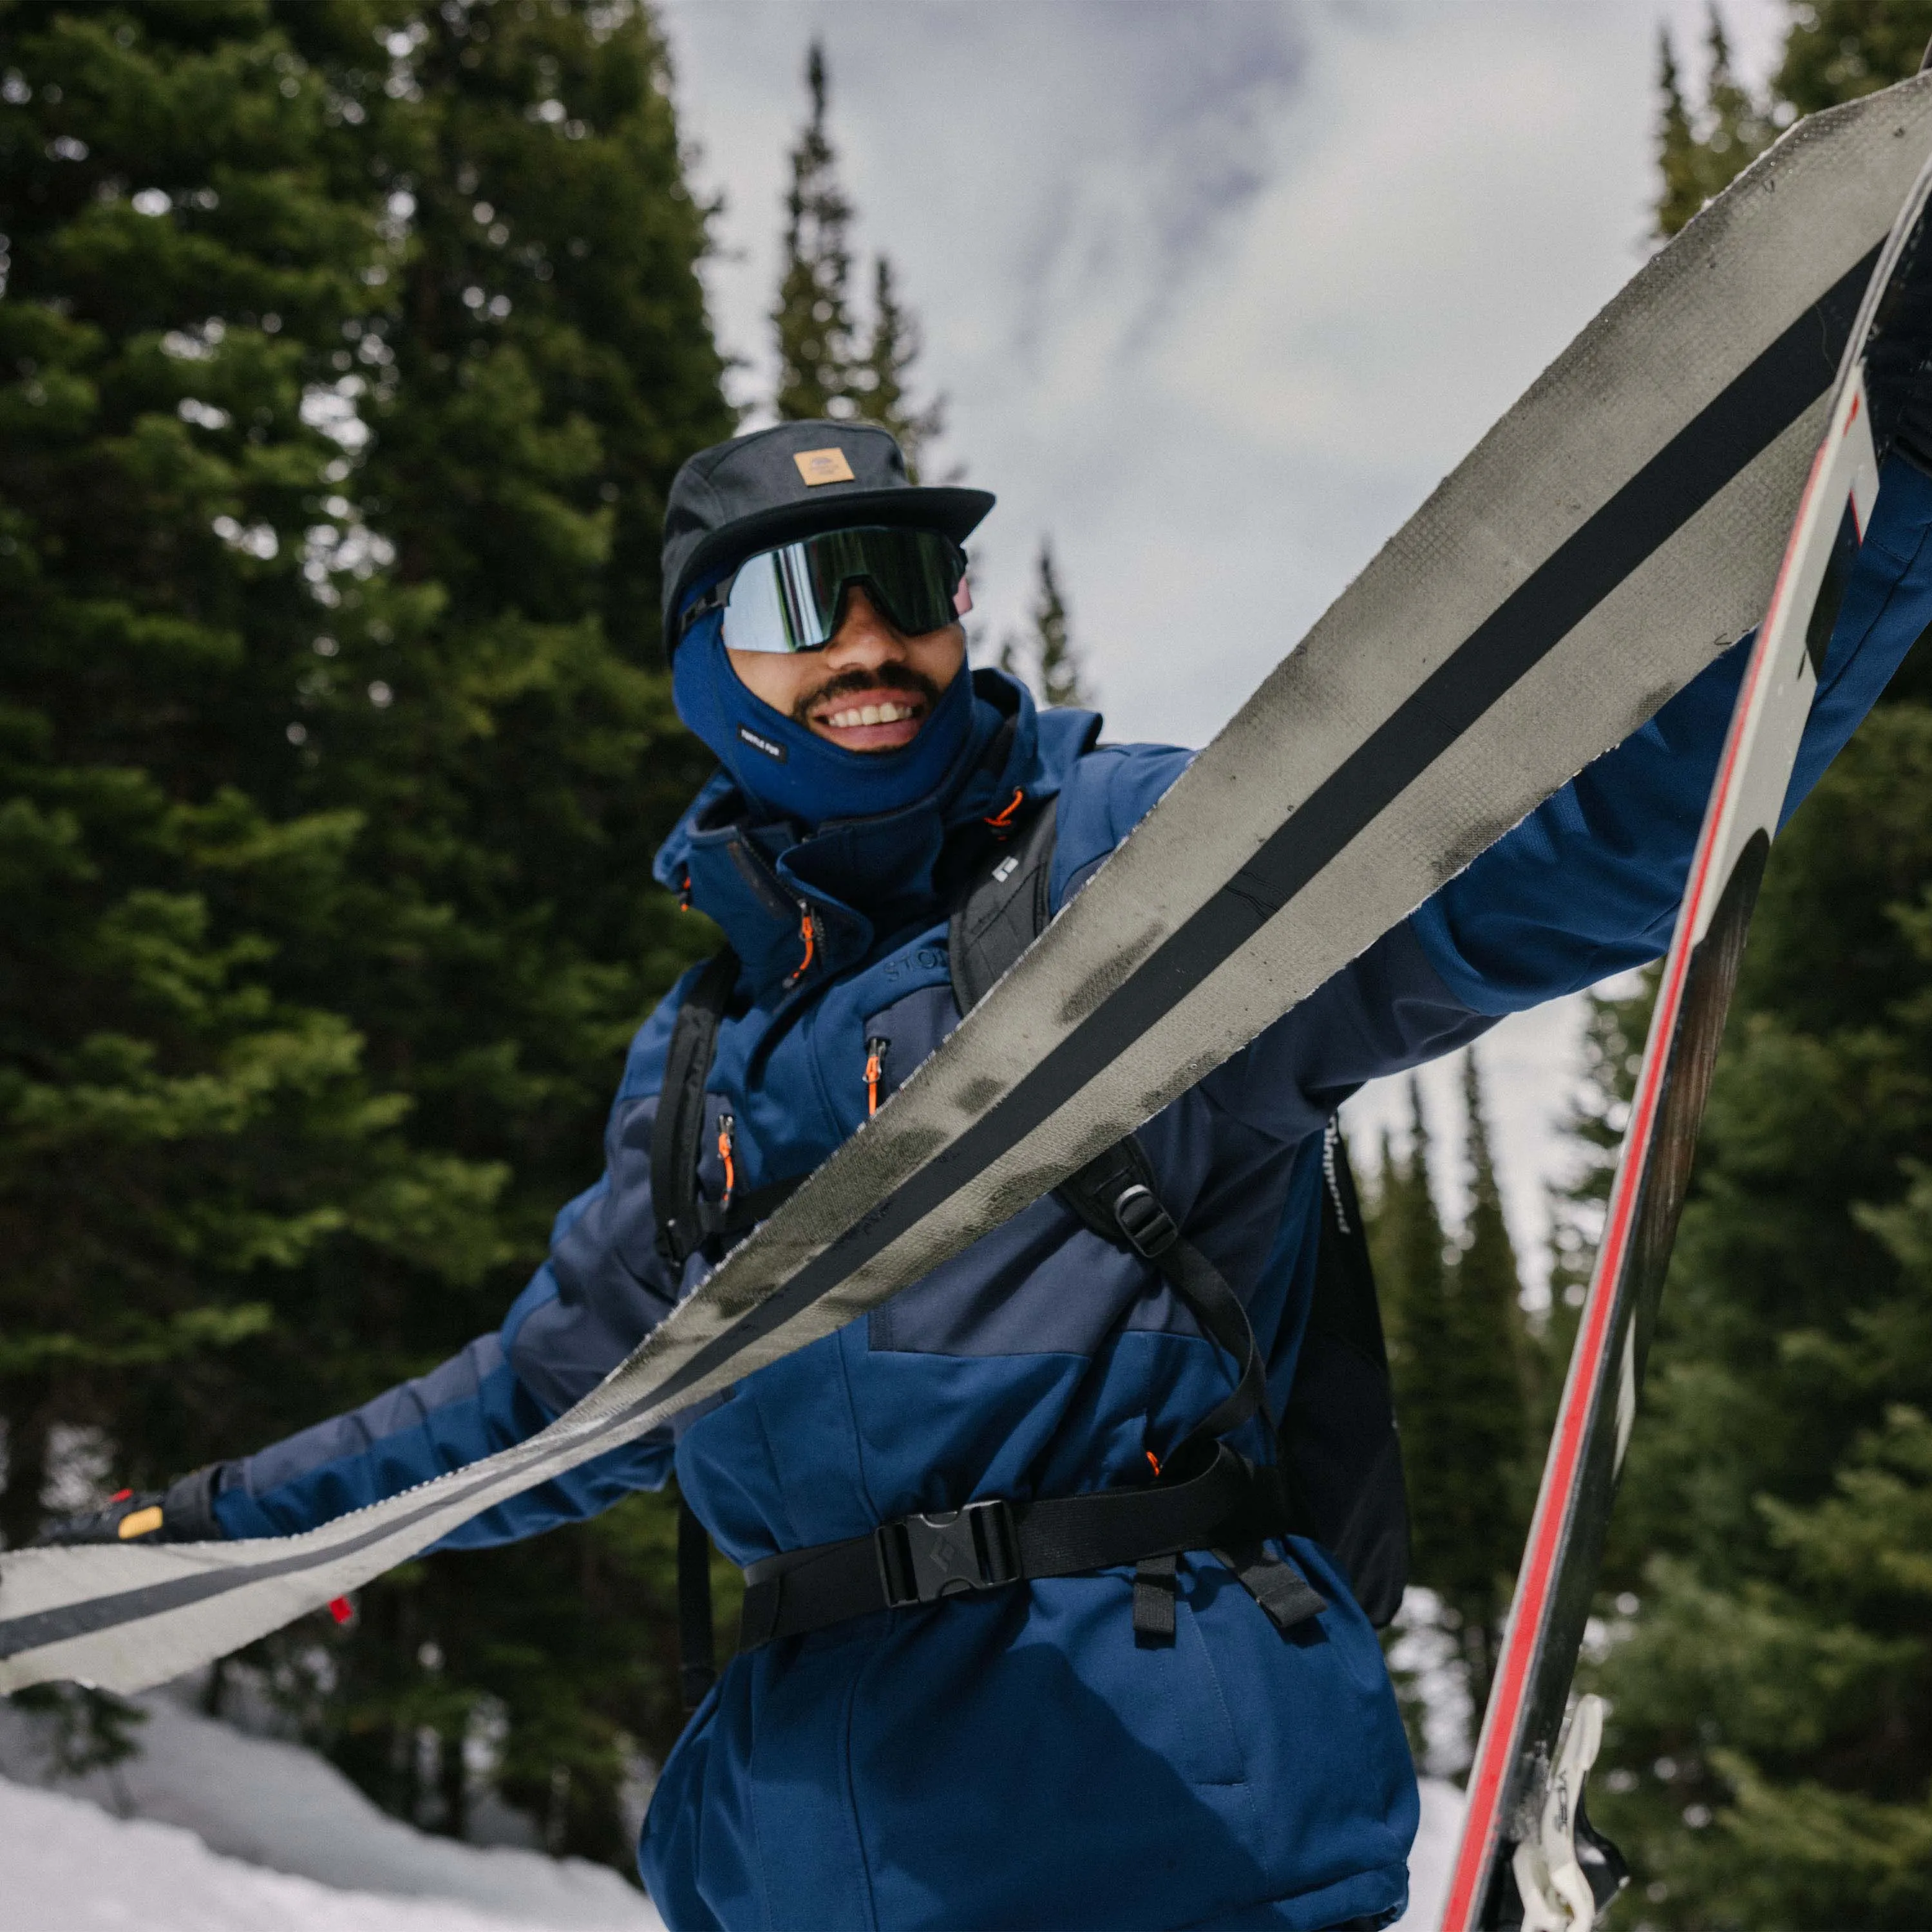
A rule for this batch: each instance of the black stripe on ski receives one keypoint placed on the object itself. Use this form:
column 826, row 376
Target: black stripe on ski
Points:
column 1736, row 426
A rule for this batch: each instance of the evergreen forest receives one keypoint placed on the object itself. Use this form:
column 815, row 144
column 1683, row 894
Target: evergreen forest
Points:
column 347, row 353
column 347, row 349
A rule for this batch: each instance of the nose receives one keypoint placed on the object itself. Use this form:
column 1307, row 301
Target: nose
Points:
column 864, row 637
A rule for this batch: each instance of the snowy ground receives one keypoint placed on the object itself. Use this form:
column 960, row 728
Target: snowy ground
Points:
column 69, row 1867
column 210, row 1830
column 1435, row 1848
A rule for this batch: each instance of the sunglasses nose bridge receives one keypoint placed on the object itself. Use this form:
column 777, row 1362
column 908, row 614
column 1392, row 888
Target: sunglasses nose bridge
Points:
column 877, row 617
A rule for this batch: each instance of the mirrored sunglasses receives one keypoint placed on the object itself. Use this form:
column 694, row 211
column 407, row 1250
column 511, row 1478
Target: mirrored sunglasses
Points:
column 790, row 599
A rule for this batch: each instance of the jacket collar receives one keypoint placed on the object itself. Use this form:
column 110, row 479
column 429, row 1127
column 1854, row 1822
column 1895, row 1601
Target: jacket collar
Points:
column 800, row 906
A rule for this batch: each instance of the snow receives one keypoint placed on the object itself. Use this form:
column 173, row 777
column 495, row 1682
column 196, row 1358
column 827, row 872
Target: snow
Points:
column 1435, row 1853
column 218, row 1831
column 70, row 1867
column 209, row 1830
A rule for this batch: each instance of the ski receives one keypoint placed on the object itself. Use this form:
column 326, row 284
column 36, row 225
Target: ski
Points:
column 1527, row 1856
column 1618, row 528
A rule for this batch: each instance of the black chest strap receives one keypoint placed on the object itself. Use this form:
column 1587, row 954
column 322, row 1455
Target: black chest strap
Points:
column 1228, row 1507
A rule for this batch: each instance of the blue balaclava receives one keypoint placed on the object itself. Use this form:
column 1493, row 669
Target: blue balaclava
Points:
column 772, row 487
column 787, row 767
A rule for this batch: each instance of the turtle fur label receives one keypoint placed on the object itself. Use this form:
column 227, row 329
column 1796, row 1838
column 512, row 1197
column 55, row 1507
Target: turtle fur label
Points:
column 758, row 742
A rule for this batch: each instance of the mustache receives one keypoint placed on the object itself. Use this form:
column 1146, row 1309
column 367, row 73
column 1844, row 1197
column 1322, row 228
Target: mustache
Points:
column 846, row 683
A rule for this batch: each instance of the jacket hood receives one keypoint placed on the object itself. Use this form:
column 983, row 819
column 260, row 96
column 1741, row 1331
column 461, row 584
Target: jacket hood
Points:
column 800, row 906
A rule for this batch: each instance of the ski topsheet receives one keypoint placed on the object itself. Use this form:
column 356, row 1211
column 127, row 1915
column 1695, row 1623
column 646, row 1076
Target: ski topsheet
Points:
column 1507, row 1826
column 1620, row 527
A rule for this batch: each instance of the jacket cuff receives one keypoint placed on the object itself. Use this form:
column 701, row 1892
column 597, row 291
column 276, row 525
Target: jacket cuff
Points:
column 187, row 1506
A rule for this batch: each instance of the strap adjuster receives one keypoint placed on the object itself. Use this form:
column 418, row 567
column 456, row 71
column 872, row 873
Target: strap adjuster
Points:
column 1145, row 1221
column 924, row 1558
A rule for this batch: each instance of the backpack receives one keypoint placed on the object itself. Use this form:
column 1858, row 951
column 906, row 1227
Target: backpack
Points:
column 1338, row 1430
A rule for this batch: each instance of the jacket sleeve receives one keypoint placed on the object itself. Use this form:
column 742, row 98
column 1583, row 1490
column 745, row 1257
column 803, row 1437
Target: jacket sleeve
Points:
column 601, row 1290
column 1589, row 883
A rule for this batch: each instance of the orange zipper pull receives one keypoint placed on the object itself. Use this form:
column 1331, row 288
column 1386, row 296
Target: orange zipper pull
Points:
column 875, row 1067
column 725, row 1125
column 808, row 932
column 1002, row 821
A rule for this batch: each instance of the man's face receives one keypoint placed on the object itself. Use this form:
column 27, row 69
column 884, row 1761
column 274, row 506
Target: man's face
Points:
column 870, row 689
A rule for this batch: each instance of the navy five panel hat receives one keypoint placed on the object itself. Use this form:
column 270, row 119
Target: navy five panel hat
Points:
column 736, row 499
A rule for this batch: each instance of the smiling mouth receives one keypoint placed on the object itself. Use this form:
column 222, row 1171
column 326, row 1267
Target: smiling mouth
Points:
column 887, row 713
column 872, row 714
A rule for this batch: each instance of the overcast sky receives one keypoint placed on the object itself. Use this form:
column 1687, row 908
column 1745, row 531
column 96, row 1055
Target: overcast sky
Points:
column 1217, row 292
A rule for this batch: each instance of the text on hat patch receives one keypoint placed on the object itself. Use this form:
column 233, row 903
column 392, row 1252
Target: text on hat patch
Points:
column 823, row 466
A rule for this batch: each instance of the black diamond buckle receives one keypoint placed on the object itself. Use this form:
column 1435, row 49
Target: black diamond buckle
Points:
column 924, row 1558
column 1145, row 1221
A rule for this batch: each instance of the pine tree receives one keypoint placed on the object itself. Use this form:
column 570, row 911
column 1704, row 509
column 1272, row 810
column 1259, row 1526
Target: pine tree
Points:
column 179, row 1126
column 817, row 360
column 1838, row 49
column 1741, row 125
column 350, row 350
column 1489, row 1286
column 1410, row 1251
column 822, row 370
column 1678, row 155
column 1697, row 156
column 880, row 383
column 1455, row 1351
column 1045, row 656
column 553, row 365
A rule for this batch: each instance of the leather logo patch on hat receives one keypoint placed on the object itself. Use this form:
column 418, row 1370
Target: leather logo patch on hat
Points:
column 823, row 466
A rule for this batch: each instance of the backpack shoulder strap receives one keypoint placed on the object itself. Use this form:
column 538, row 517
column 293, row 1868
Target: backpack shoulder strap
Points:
column 1001, row 913
column 1004, row 910
column 677, row 1134
column 688, row 1223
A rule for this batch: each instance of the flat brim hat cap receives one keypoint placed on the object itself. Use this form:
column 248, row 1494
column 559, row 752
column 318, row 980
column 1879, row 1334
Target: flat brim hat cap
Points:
column 776, row 485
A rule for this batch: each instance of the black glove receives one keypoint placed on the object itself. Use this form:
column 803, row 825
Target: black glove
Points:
column 182, row 1513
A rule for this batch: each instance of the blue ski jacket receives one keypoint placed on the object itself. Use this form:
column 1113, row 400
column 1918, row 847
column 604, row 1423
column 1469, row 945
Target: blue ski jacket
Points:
column 1011, row 1759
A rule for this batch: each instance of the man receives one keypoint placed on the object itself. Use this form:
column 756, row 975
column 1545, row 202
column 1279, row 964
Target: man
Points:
column 1205, row 1741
